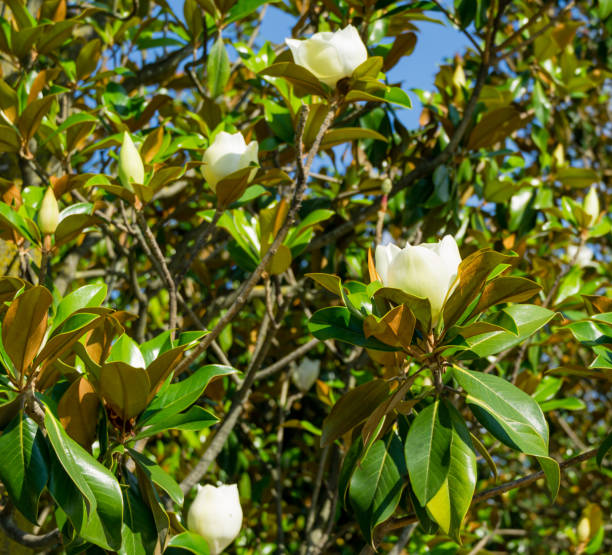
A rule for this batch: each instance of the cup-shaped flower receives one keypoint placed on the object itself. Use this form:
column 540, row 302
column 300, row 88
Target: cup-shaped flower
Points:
column 306, row 374
column 48, row 214
column 427, row 270
column 591, row 205
column 131, row 168
column 227, row 153
column 330, row 56
column 216, row 515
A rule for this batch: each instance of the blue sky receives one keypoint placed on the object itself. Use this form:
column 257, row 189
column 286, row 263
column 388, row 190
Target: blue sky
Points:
column 435, row 44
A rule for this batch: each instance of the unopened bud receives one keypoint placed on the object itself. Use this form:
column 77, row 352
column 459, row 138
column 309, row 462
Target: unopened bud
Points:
column 591, row 205
column 48, row 215
column 216, row 515
column 306, row 374
column 131, row 168
column 386, row 186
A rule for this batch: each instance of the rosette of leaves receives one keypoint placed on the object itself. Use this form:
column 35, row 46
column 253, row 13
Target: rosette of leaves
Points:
column 412, row 448
column 76, row 393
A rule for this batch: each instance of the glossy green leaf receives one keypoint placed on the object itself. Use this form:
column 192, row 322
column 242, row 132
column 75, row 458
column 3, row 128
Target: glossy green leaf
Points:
column 94, row 481
column 158, row 476
column 178, row 396
column 218, row 68
column 187, row 542
column 126, row 350
column 528, row 319
column 377, row 483
column 86, row 296
column 338, row 322
column 442, row 465
column 23, row 468
column 605, row 446
column 507, row 412
column 195, row 418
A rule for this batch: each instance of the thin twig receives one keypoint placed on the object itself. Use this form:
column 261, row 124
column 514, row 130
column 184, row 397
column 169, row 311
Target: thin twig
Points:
column 162, row 267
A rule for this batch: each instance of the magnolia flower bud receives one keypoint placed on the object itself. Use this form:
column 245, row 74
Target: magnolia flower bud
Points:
column 330, row 56
column 426, row 270
column 216, row 515
column 581, row 256
column 227, row 153
column 591, row 205
column 131, row 168
column 48, row 214
column 306, row 374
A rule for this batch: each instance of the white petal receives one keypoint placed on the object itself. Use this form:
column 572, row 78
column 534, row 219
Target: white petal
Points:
column 223, row 157
column 216, row 515
column 418, row 271
column 350, row 48
column 383, row 255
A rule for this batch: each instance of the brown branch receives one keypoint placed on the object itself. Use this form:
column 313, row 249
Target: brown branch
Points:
column 162, row 268
column 33, row 541
column 219, row 437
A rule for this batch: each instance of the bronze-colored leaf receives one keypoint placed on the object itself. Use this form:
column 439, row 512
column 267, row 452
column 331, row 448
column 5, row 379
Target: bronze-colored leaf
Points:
column 30, row 119
column 506, row 289
column 25, row 325
column 78, row 410
column 472, row 274
column 402, row 46
column 420, row 307
column 352, row 409
column 161, row 367
column 597, row 304
column 495, row 126
column 395, row 328
column 125, row 388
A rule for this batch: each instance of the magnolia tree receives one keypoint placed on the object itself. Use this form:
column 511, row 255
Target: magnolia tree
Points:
column 246, row 309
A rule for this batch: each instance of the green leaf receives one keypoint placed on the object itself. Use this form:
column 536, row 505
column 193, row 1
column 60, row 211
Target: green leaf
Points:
column 426, row 449
column 442, row 465
column 196, row 418
column 338, row 322
column 605, row 446
column 392, row 95
column 569, row 403
column 126, row 350
column 352, row 409
column 101, row 527
column 138, row 530
column 218, row 68
column 331, row 282
column 377, row 483
column 158, row 476
column 23, row 468
column 177, row 397
column 84, row 297
column 552, row 473
column 528, row 319
column 347, row 134
column 93, row 480
column 507, row 412
column 187, row 541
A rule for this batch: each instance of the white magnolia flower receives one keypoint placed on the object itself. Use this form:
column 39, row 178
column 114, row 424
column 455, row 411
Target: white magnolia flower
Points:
column 581, row 256
column 330, row 56
column 591, row 205
column 216, row 515
column 48, row 214
column 426, row 270
column 306, row 374
column 131, row 168
column 227, row 153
